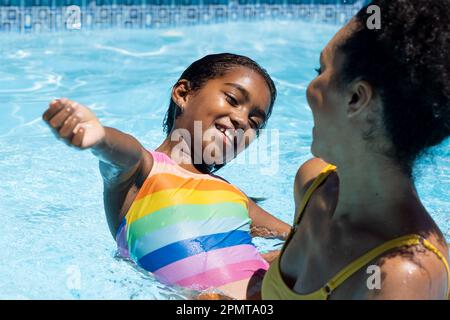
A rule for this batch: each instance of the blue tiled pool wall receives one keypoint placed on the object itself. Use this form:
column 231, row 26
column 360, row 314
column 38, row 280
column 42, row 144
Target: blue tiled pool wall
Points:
column 52, row 15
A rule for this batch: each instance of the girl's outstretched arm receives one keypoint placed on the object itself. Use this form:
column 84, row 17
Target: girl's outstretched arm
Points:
column 124, row 163
column 266, row 225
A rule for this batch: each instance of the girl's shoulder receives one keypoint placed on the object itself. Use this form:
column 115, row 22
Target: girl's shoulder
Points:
column 231, row 186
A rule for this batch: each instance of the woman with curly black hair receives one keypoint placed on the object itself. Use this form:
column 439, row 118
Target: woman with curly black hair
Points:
column 379, row 102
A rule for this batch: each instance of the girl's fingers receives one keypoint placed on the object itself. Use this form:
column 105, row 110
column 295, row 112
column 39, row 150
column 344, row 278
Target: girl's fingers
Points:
column 54, row 107
column 67, row 130
column 57, row 121
column 78, row 137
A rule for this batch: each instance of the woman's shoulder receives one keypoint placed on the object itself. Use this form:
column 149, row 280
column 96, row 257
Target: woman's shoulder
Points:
column 415, row 272
column 413, row 258
column 306, row 174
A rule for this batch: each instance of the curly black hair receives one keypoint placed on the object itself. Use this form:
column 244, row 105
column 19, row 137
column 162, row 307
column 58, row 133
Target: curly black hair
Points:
column 211, row 67
column 407, row 61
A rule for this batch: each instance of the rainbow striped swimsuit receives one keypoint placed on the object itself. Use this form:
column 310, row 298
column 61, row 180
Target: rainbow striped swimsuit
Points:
column 188, row 229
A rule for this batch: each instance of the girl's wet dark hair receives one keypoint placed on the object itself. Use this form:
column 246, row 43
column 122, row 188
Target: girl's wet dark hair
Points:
column 211, row 67
column 407, row 62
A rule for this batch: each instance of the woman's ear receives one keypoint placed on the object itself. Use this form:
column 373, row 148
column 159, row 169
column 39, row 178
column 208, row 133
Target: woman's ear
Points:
column 359, row 97
column 180, row 93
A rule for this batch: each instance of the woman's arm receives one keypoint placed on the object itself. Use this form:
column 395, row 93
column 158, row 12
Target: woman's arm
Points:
column 266, row 225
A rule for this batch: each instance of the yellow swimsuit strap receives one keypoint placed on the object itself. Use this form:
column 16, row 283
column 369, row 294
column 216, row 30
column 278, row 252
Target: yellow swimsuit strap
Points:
column 408, row 240
column 316, row 183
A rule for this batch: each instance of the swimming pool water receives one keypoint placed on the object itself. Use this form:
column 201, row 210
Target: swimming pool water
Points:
column 55, row 243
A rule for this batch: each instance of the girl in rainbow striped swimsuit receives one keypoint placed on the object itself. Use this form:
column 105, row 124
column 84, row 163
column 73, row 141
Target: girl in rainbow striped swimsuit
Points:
column 167, row 210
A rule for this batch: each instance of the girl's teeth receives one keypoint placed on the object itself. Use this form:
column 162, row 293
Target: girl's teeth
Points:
column 226, row 132
column 221, row 129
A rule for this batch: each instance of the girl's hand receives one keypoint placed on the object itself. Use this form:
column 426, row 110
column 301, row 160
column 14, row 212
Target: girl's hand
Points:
column 74, row 123
column 212, row 296
column 271, row 255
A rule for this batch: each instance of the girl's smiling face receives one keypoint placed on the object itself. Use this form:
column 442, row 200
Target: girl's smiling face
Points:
column 228, row 107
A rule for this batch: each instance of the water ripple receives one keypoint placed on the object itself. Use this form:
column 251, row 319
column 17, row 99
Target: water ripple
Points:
column 125, row 52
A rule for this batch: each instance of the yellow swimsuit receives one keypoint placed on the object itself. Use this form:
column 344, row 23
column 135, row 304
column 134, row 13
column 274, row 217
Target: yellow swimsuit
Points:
column 274, row 287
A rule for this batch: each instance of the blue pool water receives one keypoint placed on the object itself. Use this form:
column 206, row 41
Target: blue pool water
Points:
column 54, row 241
